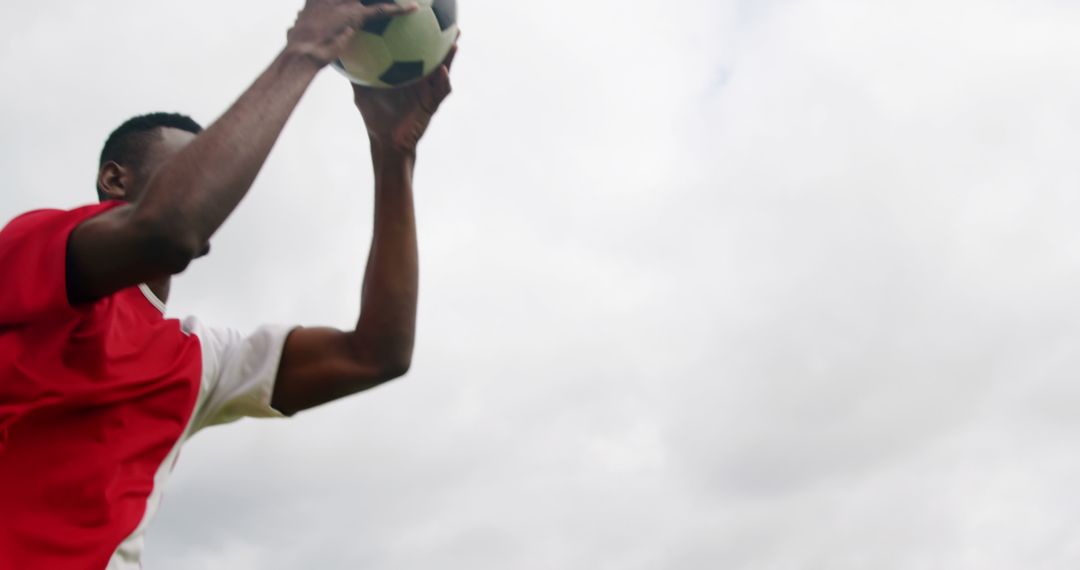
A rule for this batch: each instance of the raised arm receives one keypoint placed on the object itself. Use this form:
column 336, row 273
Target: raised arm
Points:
column 319, row 365
column 195, row 190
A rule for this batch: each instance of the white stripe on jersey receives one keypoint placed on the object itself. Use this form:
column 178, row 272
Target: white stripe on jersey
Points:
column 238, row 374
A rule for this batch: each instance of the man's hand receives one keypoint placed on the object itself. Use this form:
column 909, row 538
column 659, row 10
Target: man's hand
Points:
column 397, row 118
column 324, row 27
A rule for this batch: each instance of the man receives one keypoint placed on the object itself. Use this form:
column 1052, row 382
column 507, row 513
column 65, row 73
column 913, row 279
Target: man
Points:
column 98, row 390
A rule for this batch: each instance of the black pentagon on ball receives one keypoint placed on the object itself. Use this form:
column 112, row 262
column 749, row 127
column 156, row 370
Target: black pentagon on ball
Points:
column 403, row 72
column 377, row 27
column 445, row 13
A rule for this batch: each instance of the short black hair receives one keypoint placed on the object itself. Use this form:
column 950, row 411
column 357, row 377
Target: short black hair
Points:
column 127, row 145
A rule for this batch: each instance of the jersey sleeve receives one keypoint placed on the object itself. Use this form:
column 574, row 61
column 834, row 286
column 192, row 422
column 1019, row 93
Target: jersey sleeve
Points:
column 239, row 372
column 33, row 263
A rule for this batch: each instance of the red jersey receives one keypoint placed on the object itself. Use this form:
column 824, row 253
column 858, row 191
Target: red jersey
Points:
column 96, row 400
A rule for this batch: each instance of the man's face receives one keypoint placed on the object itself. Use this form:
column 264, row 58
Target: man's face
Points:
column 165, row 145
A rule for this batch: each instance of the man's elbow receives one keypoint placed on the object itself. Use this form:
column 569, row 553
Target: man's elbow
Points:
column 394, row 359
column 380, row 358
column 395, row 366
column 174, row 257
column 170, row 250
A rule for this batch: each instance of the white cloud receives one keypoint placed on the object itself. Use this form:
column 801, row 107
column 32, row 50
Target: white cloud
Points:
column 756, row 285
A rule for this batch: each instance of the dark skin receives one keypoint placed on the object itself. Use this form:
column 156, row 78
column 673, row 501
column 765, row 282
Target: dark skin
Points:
column 188, row 185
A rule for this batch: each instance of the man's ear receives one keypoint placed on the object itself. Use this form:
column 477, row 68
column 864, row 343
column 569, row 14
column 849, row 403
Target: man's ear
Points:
column 115, row 181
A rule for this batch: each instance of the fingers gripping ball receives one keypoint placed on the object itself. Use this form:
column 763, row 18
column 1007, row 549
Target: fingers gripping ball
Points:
column 401, row 50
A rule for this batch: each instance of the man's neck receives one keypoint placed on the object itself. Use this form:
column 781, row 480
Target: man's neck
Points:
column 160, row 288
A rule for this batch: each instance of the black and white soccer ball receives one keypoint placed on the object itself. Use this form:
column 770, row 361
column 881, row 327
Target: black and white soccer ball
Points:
column 401, row 50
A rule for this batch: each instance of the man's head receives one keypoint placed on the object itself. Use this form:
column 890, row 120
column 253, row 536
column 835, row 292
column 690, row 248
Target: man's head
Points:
column 136, row 149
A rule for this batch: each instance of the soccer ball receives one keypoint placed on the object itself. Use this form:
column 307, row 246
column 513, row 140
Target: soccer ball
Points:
column 401, row 50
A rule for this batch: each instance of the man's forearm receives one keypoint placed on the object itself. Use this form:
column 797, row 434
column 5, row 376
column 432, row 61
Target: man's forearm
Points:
column 197, row 189
column 387, row 323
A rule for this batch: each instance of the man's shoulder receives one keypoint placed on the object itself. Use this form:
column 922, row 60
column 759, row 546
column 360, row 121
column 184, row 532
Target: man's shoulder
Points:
column 44, row 216
column 33, row 217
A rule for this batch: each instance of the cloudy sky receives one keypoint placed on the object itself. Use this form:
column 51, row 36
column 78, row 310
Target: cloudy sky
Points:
column 769, row 284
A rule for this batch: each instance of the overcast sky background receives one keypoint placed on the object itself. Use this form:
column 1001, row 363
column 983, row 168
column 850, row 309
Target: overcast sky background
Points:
column 708, row 284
